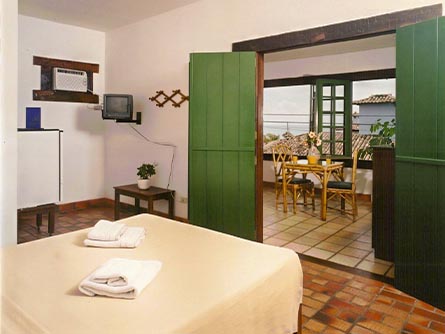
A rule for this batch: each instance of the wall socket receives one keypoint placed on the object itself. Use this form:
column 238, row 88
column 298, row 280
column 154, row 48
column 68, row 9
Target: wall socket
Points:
column 183, row 199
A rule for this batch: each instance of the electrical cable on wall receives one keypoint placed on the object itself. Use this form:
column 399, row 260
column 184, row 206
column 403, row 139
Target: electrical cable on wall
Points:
column 160, row 144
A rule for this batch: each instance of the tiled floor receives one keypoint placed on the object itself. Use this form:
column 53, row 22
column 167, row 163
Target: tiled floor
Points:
column 337, row 302
column 334, row 302
column 338, row 239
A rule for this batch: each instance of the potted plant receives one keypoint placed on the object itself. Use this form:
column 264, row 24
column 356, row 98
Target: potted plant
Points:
column 145, row 172
column 383, row 136
column 381, row 149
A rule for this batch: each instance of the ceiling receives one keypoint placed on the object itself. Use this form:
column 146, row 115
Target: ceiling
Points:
column 105, row 15
column 102, row 15
column 384, row 41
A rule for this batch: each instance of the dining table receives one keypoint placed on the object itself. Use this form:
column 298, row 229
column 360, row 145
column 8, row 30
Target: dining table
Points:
column 322, row 171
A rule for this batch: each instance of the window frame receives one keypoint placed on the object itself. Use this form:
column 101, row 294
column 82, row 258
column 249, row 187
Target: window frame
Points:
column 333, row 113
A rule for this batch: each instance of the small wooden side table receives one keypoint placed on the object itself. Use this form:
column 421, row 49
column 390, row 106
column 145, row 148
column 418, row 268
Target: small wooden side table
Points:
column 50, row 209
column 151, row 194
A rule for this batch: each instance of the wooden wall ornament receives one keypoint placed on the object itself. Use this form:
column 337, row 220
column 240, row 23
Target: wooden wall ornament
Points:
column 177, row 92
column 46, row 92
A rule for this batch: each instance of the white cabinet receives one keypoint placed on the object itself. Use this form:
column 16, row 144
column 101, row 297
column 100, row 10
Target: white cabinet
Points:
column 39, row 167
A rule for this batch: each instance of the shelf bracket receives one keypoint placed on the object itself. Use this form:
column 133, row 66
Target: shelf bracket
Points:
column 138, row 119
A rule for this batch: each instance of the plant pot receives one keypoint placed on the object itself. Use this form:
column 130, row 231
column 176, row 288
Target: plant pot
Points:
column 144, row 184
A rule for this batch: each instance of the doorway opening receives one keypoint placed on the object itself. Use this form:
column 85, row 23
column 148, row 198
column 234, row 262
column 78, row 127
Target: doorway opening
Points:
column 329, row 38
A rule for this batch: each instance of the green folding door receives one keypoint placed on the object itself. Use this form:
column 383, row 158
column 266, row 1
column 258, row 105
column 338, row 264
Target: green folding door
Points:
column 420, row 161
column 222, row 142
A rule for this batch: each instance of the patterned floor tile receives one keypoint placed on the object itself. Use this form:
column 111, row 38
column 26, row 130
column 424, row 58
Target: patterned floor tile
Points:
column 319, row 253
column 345, row 260
column 373, row 267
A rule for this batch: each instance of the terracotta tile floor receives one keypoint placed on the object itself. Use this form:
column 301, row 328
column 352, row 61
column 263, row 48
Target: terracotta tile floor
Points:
column 338, row 239
column 334, row 302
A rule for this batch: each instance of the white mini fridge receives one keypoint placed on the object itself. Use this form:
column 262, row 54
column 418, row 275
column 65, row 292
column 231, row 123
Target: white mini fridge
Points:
column 39, row 167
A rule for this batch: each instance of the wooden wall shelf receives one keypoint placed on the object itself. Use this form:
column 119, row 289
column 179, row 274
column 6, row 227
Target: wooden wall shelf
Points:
column 46, row 93
column 64, row 96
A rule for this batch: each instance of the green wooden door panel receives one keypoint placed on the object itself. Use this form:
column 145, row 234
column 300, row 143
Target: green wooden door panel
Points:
column 198, row 121
column 420, row 163
column 246, row 196
column 425, row 55
column 214, row 97
column 232, row 204
column 439, row 233
column 231, row 107
column 222, row 142
column 214, row 190
column 441, row 95
column 405, row 87
column 247, row 100
column 199, row 187
column 403, row 234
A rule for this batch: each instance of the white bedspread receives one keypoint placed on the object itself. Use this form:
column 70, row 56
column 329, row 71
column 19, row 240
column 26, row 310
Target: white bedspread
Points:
column 209, row 283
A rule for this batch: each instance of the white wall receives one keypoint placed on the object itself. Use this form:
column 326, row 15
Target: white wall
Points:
column 83, row 128
column 342, row 63
column 370, row 113
column 8, row 122
column 153, row 55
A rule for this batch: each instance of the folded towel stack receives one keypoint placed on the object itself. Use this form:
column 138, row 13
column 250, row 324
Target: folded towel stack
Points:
column 114, row 235
column 106, row 231
column 120, row 278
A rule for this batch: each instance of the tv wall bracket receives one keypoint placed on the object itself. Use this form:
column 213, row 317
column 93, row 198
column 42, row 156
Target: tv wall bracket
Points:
column 138, row 119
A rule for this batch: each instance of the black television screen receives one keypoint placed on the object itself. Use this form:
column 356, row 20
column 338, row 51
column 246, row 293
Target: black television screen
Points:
column 118, row 106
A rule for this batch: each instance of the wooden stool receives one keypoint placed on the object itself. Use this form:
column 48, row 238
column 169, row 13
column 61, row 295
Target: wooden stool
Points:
column 39, row 211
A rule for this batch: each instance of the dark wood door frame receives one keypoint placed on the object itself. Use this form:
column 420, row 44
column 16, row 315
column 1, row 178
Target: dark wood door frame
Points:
column 339, row 32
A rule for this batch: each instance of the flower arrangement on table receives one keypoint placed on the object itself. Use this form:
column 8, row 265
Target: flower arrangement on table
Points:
column 313, row 140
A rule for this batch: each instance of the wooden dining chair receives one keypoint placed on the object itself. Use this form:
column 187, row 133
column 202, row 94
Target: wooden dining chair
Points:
column 299, row 186
column 345, row 190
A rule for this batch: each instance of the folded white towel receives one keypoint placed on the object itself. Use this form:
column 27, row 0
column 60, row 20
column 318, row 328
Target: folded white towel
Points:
column 106, row 231
column 120, row 278
column 131, row 238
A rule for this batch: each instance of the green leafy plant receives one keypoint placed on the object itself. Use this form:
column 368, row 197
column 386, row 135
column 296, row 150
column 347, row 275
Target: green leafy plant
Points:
column 383, row 135
column 145, row 171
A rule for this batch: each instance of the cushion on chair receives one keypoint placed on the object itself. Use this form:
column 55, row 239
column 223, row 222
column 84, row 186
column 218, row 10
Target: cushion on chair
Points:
column 339, row 185
column 296, row 180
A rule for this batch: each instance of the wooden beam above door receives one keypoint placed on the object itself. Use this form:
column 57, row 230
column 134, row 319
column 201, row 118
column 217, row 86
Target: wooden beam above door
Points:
column 356, row 29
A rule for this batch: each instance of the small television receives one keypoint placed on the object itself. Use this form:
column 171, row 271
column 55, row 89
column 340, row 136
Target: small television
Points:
column 117, row 106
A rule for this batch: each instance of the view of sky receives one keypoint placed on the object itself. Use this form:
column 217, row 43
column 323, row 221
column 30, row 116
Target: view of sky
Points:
column 287, row 108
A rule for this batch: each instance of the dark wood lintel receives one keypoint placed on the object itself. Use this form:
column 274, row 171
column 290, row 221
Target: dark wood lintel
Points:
column 73, row 65
column 356, row 29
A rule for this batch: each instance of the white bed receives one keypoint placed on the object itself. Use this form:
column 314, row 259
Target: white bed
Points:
column 209, row 283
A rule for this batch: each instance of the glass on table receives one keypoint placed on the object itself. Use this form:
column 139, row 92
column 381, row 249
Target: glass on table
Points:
column 328, row 159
